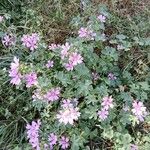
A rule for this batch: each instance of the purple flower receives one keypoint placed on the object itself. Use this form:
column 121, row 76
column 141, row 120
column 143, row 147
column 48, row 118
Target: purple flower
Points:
column 53, row 46
column 8, row 40
column 33, row 134
column 30, row 41
column 75, row 58
column 64, row 142
column 107, row 102
column 111, row 76
column 102, row 18
column 139, row 110
column 64, row 51
column 86, row 33
column 52, row 140
column 14, row 72
column 53, row 94
column 68, row 115
column 103, row 114
column 31, row 79
column 66, row 103
column 50, row 64
column 133, row 147
column 69, row 66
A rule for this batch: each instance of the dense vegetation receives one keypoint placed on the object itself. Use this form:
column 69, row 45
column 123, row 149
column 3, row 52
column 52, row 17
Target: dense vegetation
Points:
column 74, row 75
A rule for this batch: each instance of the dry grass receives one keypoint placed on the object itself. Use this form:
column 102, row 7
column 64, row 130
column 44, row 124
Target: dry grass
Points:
column 126, row 7
column 56, row 18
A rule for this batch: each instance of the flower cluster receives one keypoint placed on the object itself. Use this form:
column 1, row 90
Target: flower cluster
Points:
column 33, row 134
column 31, row 79
column 52, row 95
column 63, row 142
column 139, row 110
column 70, row 59
column 14, row 72
column 64, row 51
column 107, row 103
column 30, row 41
column 74, row 59
column 69, row 113
column 8, row 40
column 53, row 46
column 86, row 33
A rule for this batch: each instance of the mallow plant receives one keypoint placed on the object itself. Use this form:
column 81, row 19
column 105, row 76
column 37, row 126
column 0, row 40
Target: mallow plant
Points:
column 84, row 98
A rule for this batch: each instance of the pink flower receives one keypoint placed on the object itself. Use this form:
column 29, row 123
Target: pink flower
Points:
column 53, row 46
column 31, row 79
column 107, row 102
column 53, row 94
column 14, row 72
column 83, row 32
column 139, row 110
column 64, row 142
column 8, row 40
column 64, row 51
column 52, row 140
column 66, row 103
column 75, row 58
column 86, row 33
column 69, row 66
column 33, row 135
column 1, row 18
column 111, row 76
column 16, row 79
column 68, row 115
column 102, row 18
column 103, row 114
column 133, row 147
column 50, row 64
column 30, row 41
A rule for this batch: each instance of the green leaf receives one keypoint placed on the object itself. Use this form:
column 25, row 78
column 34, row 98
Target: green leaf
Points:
column 108, row 133
column 121, row 37
column 144, row 85
column 84, row 87
column 63, row 78
column 82, row 70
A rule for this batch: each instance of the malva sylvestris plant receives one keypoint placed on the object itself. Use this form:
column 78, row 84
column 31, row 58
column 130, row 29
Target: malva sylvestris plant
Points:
column 76, row 89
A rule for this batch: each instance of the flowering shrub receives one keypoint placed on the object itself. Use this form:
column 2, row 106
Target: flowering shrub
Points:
column 82, row 95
